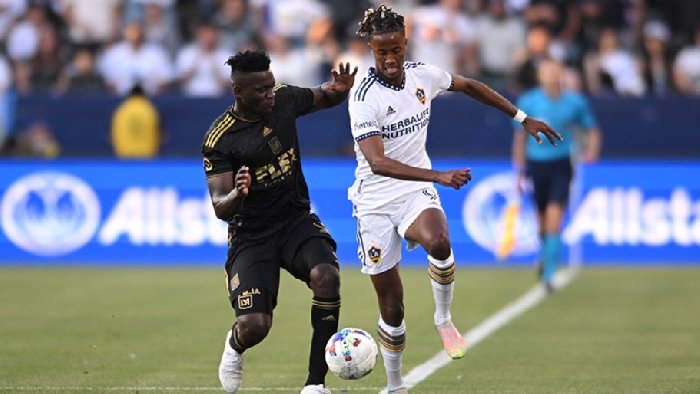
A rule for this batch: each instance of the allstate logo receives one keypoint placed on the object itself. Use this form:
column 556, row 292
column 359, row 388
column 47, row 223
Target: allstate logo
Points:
column 50, row 213
column 484, row 216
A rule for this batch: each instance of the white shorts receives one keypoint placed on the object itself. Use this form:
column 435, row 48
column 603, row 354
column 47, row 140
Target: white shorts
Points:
column 379, row 235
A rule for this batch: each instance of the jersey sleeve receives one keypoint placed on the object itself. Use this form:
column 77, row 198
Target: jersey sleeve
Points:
column 216, row 162
column 440, row 79
column 299, row 100
column 363, row 120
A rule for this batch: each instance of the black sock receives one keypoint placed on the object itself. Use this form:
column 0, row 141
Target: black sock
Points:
column 324, row 320
column 235, row 342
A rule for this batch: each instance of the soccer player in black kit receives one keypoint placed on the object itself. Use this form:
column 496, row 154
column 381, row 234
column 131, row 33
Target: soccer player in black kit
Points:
column 253, row 170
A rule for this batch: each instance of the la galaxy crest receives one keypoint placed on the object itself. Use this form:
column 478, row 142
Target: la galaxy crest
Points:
column 374, row 254
column 420, row 94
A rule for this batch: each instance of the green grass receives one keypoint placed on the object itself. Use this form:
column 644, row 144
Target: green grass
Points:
column 612, row 330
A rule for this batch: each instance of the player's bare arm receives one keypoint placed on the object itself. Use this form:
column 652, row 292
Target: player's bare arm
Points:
column 593, row 144
column 228, row 192
column 334, row 92
column 373, row 150
column 488, row 96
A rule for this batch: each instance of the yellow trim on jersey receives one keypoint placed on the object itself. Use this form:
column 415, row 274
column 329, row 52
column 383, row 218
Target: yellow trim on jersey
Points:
column 219, row 131
column 278, row 87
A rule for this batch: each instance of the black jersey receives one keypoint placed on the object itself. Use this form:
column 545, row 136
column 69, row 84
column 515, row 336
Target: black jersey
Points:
column 269, row 147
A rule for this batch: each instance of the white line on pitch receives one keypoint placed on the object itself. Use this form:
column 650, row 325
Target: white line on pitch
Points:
column 487, row 327
column 161, row 389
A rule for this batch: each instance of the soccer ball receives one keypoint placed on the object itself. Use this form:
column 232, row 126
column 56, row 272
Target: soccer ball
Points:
column 351, row 353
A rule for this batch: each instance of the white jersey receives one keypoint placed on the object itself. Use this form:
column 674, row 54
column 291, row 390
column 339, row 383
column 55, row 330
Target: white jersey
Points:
column 400, row 115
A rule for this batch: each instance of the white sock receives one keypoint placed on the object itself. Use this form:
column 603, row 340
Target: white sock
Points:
column 442, row 273
column 392, row 341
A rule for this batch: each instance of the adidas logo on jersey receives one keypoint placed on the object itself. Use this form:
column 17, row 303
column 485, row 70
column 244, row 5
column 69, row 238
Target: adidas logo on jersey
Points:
column 390, row 111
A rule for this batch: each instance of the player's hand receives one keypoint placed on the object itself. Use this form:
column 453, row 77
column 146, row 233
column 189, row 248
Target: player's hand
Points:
column 242, row 181
column 343, row 79
column 455, row 178
column 533, row 126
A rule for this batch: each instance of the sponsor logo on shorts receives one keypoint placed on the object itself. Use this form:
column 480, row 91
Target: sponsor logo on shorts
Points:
column 430, row 193
column 375, row 254
column 245, row 299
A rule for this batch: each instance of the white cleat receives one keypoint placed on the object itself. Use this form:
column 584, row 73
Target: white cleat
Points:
column 400, row 390
column 231, row 367
column 315, row 389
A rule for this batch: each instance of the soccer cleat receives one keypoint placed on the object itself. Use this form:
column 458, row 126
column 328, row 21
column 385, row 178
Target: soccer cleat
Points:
column 452, row 340
column 231, row 367
column 400, row 390
column 315, row 389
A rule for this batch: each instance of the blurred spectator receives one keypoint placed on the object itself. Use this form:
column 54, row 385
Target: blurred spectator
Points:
column 235, row 24
column 136, row 127
column 10, row 10
column 23, row 45
column 613, row 69
column 686, row 69
column 657, row 59
column 91, row 22
column 499, row 38
column 6, row 99
column 298, row 66
column 345, row 15
column 48, row 64
column 160, row 29
column 81, row 75
column 132, row 61
column 680, row 15
column 357, row 54
column 538, row 47
column 37, row 141
column 201, row 68
column 190, row 13
column 561, row 16
column 444, row 36
column 298, row 21
column 597, row 15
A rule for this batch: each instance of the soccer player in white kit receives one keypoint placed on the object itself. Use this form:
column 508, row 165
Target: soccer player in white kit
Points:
column 393, row 194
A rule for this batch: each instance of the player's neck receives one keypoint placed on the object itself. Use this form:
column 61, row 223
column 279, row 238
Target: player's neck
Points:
column 245, row 116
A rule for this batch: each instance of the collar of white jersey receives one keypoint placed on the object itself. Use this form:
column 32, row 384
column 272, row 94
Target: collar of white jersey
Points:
column 376, row 77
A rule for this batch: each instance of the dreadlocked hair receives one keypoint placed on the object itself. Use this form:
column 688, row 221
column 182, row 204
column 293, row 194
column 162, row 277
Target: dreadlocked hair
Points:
column 381, row 20
column 249, row 62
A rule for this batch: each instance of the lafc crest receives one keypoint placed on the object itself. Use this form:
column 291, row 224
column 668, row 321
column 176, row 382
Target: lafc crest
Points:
column 420, row 94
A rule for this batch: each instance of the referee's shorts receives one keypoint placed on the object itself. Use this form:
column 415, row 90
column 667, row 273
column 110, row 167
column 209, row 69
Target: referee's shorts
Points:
column 551, row 181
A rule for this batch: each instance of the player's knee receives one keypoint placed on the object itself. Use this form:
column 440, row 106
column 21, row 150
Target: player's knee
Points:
column 325, row 278
column 439, row 246
column 252, row 329
column 393, row 314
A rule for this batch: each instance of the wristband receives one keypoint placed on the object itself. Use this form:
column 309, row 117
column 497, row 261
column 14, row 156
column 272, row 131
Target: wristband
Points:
column 520, row 116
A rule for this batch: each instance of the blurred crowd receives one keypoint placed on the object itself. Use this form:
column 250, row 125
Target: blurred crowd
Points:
column 158, row 47
column 617, row 47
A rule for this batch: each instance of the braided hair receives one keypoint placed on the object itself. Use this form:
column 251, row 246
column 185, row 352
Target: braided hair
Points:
column 381, row 20
column 249, row 62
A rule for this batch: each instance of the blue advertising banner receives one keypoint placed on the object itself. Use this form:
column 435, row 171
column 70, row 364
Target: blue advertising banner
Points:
column 112, row 212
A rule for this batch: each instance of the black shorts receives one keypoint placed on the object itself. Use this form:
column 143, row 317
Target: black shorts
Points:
column 551, row 181
column 253, row 266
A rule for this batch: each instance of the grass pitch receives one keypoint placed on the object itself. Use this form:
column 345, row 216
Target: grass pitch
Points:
column 612, row 330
